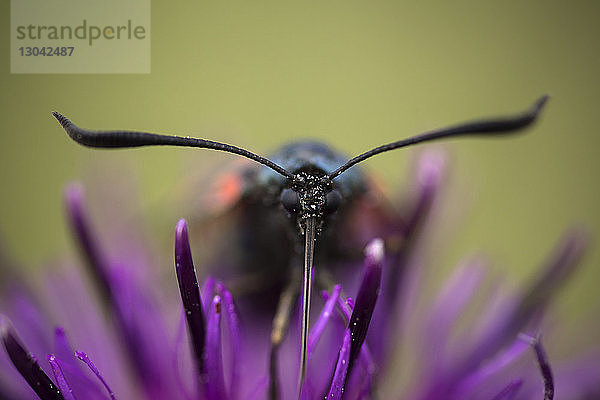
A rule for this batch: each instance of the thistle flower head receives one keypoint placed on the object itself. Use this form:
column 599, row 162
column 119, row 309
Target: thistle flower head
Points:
column 117, row 340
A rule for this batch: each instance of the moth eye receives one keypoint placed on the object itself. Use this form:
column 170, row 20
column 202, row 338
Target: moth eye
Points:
column 290, row 200
column 332, row 201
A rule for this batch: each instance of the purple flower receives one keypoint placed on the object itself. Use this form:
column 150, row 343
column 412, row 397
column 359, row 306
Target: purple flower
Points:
column 129, row 336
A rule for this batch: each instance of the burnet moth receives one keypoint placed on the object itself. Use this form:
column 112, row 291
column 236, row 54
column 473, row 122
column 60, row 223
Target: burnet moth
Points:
column 307, row 183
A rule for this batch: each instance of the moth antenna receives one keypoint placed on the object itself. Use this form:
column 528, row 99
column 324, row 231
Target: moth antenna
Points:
column 116, row 139
column 492, row 126
column 309, row 250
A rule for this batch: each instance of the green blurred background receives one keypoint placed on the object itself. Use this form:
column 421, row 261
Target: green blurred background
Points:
column 356, row 74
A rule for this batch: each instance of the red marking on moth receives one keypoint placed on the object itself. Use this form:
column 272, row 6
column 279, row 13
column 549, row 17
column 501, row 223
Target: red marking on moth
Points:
column 228, row 189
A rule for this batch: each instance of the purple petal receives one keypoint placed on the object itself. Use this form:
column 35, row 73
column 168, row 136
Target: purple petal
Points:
column 234, row 333
column 324, row 317
column 558, row 268
column 64, row 358
column 176, row 356
column 190, row 295
column 215, row 384
column 62, row 349
column 321, row 355
column 398, row 283
column 510, row 391
column 84, row 321
column 349, row 305
column 26, row 364
column 371, row 370
column 336, row 390
column 579, row 378
column 83, row 357
column 519, row 313
column 260, row 391
column 493, row 367
column 345, row 308
column 137, row 319
column 61, row 381
column 114, row 291
column 144, row 332
column 207, row 292
column 87, row 241
column 449, row 305
column 366, row 299
column 27, row 315
column 430, row 171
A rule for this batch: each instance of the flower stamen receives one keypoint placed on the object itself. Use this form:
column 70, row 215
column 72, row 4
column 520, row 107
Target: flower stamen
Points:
column 83, row 357
column 61, row 381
